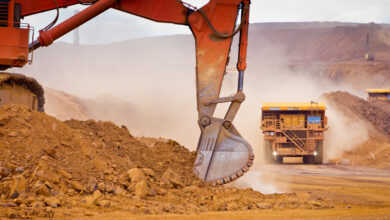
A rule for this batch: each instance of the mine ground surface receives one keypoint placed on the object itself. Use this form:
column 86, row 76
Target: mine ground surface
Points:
column 356, row 192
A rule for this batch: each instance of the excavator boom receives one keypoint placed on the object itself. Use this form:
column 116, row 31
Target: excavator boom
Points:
column 223, row 155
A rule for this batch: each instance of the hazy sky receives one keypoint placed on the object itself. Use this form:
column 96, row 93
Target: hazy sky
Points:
column 114, row 26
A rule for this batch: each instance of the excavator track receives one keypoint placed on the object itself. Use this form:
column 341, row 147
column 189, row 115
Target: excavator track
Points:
column 20, row 89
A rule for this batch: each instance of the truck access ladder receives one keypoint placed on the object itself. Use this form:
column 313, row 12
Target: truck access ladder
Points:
column 310, row 139
column 301, row 145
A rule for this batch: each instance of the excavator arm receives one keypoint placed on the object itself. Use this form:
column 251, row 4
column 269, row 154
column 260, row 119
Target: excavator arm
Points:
column 223, row 155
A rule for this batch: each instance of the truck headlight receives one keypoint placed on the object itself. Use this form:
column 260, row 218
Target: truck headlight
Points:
column 315, row 153
column 271, row 133
column 275, row 153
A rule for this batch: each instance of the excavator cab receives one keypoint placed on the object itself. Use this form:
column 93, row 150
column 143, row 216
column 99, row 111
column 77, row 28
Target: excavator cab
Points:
column 14, row 36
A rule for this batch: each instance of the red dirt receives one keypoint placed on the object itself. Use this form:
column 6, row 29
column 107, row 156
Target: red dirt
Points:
column 61, row 169
column 376, row 150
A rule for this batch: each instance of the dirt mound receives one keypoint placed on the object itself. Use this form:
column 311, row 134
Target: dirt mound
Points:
column 376, row 113
column 375, row 151
column 76, row 168
column 64, row 106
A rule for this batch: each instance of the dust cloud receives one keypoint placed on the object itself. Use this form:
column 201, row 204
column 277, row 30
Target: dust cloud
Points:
column 346, row 132
column 254, row 180
column 156, row 78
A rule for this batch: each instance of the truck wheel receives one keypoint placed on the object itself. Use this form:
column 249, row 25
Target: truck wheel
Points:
column 268, row 152
column 279, row 159
column 309, row 159
column 320, row 152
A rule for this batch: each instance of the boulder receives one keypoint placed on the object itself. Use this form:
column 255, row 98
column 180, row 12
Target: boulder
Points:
column 170, row 176
column 42, row 190
column 104, row 203
column 118, row 190
column 37, row 204
column 110, row 187
column 135, row 175
column 148, row 172
column 92, row 185
column 77, row 186
column 141, row 189
column 18, row 185
column 102, row 187
column 65, row 174
column 93, row 199
column 52, row 202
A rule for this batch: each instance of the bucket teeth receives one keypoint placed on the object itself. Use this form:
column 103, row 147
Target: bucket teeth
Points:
column 236, row 175
column 222, row 156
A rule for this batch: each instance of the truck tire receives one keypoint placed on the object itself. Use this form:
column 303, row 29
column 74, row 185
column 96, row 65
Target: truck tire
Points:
column 318, row 159
column 279, row 159
column 268, row 157
column 308, row 159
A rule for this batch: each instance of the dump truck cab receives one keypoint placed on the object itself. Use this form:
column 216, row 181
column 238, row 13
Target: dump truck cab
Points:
column 378, row 94
column 293, row 130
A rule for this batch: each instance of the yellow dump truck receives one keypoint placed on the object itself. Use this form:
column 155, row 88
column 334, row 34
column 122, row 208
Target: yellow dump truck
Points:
column 293, row 130
column 378, row 94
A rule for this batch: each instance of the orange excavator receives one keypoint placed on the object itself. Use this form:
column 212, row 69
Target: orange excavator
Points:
column 222, row 154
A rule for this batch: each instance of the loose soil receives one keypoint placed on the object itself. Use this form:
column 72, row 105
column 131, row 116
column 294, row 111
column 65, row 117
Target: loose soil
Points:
column 51, row 168
column 376, row 150
column 376, row 113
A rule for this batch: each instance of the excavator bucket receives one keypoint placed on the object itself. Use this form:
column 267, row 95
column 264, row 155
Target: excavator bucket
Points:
column 222, row 156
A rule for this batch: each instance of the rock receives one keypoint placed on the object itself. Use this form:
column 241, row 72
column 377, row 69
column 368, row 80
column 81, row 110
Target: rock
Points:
column 11, row 204
column 77, row 186
column 104, row 203
column 13, row 134
column 93, row 199
column 19, row 169
column 20, row 201
column 102, row 186
column 135, row 175
column 167, row 208
column 148, row 172
column 52, row 202
column 118, row 190
column 14, row 215
column 92, row 184
column 141, row 189
column 233, row 205
column 65, row 174
column 173, row 178
column 161, row 191
column 264, row 205
column 316, row 204
column 42, row 190
column 37, row 204
column 14, row 194
column 49, row 185
column 6, row 171
column 151, row 191
column 18, row 185
column 110, row 187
